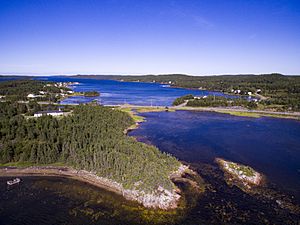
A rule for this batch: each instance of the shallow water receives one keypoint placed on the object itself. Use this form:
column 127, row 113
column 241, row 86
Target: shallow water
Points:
column 58, row 200
column 269, row 145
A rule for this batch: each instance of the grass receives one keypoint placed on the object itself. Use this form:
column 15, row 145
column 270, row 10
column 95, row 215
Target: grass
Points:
column 136, row 118
column 246, row 170
column 151, row 109
column 236, row 113
column 257, row 115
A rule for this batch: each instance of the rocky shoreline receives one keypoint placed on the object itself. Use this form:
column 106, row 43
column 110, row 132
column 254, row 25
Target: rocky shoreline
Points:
column 160, row 198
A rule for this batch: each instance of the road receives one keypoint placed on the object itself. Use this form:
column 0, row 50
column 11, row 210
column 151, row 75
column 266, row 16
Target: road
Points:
column 184, row 107
column 213, row 109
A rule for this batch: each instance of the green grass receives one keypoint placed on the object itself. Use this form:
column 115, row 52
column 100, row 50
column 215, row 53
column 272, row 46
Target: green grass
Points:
column 236, row 113
column 246, row 170
column 257, row 115
column 151, row 109
column 136, row 118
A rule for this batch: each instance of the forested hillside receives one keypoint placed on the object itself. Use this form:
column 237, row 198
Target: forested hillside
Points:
column 19, row 89
column 92, row 138
column 219, row 101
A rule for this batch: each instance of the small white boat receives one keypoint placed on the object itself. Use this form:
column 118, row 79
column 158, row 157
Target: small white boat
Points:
column 14, row 181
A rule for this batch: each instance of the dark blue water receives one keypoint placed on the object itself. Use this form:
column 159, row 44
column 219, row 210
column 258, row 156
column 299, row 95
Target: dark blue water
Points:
column 135, row 93
column 270, row 145
column 7, row 78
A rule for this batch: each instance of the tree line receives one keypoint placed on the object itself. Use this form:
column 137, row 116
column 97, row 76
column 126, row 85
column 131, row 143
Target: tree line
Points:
column 214, row 101
column 16, row 90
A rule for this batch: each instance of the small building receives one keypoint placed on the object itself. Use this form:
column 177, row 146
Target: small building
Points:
column 258, row 91
column 32, row 96
column 48, row 113
column 249, row 93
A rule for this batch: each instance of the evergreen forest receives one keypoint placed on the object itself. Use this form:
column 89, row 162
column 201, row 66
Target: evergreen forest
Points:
column 91, row 138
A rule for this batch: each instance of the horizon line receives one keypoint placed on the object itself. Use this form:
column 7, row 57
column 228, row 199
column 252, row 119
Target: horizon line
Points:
column 140, row 74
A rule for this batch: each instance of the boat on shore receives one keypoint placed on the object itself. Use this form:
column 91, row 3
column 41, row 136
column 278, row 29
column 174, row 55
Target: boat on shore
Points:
column 14, row 181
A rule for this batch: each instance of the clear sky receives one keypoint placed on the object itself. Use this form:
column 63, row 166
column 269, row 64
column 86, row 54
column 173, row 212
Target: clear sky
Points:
column 197, row 37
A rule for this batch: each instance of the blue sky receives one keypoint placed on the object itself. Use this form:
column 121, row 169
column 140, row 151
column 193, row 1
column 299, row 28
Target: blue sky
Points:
column 149, row 36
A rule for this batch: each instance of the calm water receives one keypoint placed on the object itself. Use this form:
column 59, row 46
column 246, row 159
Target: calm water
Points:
column 55, row 200
column 270, row 145
column 136, row 93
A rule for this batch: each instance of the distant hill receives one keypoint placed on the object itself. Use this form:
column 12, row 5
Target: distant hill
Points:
column 281, row 90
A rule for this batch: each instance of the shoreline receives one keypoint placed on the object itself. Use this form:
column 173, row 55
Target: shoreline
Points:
column 160, row 199
column 56, row 171
column 226, row 110
column 246, row 112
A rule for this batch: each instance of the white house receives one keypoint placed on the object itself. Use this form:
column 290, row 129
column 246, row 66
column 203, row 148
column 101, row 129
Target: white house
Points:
column 32, row 96
column 48, row 113
column 249, row 93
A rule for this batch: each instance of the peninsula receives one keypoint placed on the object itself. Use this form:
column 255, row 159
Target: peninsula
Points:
column 88, row 143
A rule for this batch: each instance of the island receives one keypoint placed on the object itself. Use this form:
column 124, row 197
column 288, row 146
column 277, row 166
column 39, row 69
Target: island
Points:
column 244, row 175
column 91, row 94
